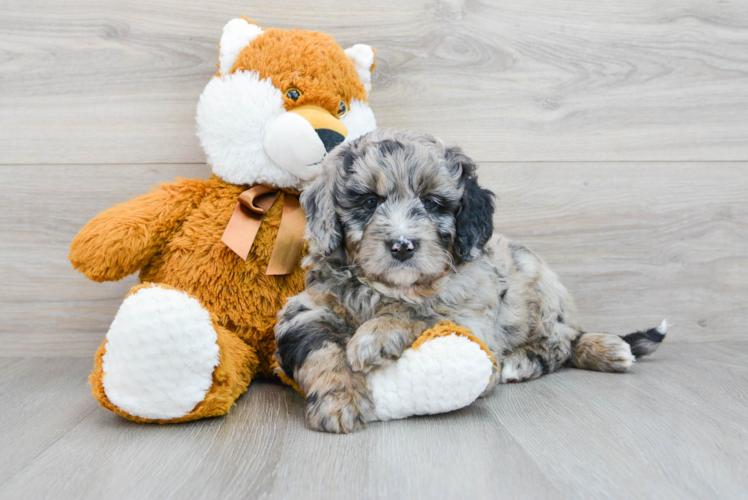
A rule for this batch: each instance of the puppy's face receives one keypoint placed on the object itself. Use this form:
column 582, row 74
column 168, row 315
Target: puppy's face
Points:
column 402, row 206
column 397, row 208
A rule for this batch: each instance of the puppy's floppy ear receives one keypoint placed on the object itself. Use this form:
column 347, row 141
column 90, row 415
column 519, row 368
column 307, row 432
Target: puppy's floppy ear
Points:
column 475, row 216
column 322, row 224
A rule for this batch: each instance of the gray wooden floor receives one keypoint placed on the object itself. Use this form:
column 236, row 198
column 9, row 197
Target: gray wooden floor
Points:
column 675, row 427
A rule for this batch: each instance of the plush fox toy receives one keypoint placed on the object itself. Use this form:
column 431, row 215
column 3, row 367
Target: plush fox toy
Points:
column 219, row 257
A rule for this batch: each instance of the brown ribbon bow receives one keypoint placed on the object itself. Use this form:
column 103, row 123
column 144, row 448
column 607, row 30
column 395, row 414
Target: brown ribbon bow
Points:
column 242, row 228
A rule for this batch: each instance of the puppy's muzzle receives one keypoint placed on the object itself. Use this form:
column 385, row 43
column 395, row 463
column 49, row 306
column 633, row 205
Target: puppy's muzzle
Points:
column 403, row 248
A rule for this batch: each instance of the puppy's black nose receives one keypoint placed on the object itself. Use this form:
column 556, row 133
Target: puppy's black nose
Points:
column 402, row 248
column 329, row 138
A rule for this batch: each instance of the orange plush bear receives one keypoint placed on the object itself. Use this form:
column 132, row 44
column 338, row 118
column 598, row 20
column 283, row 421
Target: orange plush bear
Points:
column 218, row 257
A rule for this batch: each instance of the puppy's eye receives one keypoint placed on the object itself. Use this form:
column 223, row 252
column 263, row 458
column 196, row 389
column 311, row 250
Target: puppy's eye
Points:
column 342, row 109
column 371, row 202
column 293, row 93
column 430, row 204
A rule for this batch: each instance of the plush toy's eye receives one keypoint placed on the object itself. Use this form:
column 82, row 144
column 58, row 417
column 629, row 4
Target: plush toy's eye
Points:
column 371, row 202
column 430, row 204
column 293, row 93
column 342, row 109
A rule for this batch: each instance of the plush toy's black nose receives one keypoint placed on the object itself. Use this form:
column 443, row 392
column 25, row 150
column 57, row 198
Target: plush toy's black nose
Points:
column 329, row 138
column 402, row 248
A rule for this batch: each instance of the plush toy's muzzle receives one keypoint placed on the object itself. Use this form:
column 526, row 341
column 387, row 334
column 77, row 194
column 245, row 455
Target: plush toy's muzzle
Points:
column 329, row 129
column 299, row 139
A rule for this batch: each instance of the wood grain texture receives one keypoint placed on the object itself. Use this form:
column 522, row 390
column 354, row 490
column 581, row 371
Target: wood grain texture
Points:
column 47, row 308
column 92, row 81
column 634, row 242
column 652, row 433
column 637, row 242
column 40, row 403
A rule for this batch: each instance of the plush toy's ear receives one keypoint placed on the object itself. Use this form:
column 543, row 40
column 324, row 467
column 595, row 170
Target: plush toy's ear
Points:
column 475, row 218
column 236, row 35
column 364, row 60
column 322, row 225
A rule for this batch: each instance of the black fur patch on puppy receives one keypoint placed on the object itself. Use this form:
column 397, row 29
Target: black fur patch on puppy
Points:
column 308, row 337
column 475, row 217
column 643, row 343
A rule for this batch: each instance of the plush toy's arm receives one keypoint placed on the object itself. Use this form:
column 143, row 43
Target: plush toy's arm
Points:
column 122, row 239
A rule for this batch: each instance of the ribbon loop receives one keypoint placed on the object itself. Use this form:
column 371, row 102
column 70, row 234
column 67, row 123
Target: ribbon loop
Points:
column 289, row 243
column 245, row 222
column 259, row 199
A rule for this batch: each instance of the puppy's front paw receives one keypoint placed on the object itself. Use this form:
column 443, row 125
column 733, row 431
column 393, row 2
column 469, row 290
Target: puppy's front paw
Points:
column 344, row 407
column 374, row 341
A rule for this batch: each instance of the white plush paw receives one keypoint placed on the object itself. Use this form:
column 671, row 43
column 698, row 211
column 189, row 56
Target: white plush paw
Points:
column 444, row 374
column 160, row 355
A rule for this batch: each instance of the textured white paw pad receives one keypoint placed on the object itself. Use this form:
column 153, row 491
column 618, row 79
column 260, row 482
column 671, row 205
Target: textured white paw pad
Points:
column 444, row 374
column 160, row 354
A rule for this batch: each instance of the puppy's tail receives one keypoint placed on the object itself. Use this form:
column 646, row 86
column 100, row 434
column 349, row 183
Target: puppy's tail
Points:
column 610, row 353
column 647, row 342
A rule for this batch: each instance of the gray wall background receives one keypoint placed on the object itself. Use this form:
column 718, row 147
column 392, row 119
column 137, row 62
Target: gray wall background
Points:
column 615, row 135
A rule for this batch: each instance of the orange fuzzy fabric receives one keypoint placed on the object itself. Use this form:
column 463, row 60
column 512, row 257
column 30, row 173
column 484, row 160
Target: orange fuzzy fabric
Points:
column 173, row 234
column 293, row 59
column 447, row 328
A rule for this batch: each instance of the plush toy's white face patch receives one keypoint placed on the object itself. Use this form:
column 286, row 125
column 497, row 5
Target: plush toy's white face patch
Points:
column 359, row 120
column 248, row 135
column 232, row 115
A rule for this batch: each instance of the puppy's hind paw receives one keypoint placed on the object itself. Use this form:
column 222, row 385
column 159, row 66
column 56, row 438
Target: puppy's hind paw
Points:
column 516, row 369
column 522, row 364
column 509, row 372
column 602, row 352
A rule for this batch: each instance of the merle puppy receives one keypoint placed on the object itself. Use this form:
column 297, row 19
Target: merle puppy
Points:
column 399, row 236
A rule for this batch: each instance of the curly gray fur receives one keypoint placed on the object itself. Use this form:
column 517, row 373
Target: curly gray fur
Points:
column 363, row 304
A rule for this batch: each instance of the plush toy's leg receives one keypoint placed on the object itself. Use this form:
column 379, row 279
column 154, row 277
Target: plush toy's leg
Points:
column 445, row 369
column 165, row 359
